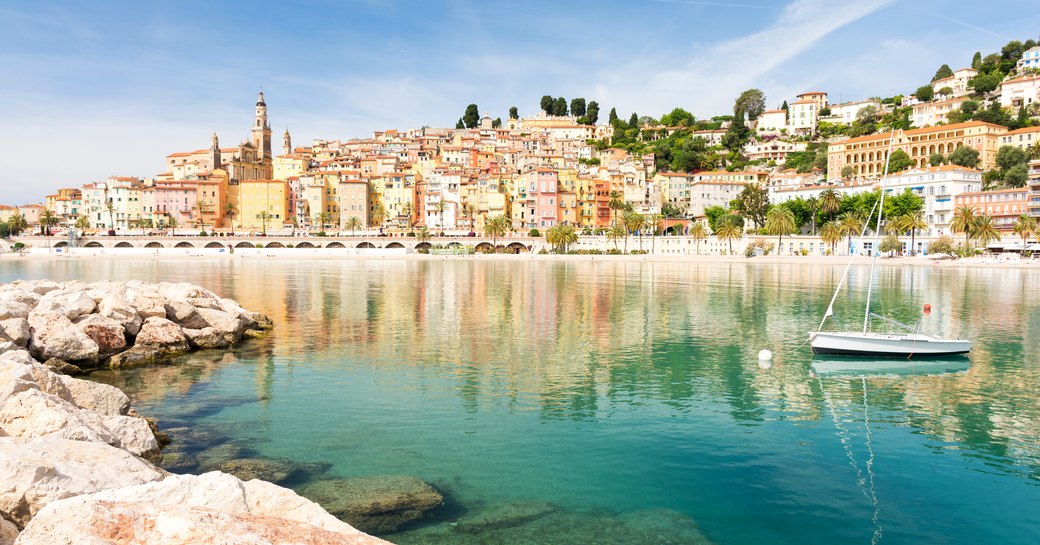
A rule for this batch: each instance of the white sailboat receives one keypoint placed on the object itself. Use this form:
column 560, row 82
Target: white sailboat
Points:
column 908, row 343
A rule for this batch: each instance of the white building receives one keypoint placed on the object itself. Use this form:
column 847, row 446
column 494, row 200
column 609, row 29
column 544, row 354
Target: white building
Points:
column 1020, row 92
column 775, row 150
column 772, row 122
column 1022, row 138
column 846, row 112
column 1031, row 58
column 926, row 114
column 958, row 82
column 718, row 188
column 937, row 186
column 802, row 116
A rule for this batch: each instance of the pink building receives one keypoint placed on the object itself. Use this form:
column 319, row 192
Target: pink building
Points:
column 543, row 197
column 176, row 200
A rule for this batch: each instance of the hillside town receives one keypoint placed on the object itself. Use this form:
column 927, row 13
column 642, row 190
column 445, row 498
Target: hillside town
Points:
column 968, row 139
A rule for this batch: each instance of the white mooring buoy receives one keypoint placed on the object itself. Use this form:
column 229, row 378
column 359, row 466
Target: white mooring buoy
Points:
column 765, row 355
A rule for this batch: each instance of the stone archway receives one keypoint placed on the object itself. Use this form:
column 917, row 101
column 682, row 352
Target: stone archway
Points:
column 61, row 244
column 366, row 245
column 395, row 245
column 305, row 245
column 423, row 246
column 153, row 244
column 335, row 245
column 184, row 244
column 275, row 245
column 214, row 244
column 123, row 244
column 517, row 248
column 485, row 248
column 245, row 245
column 93, row 244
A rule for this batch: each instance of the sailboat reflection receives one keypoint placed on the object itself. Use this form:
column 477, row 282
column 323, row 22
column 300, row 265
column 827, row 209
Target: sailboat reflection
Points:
column 866, row 366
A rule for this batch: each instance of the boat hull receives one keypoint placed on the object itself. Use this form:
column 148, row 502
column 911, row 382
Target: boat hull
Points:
column 881, row 344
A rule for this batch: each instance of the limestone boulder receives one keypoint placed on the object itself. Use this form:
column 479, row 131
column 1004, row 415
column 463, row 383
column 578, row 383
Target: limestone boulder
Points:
column 138, row 356
column 377, row 504
column 134, row 435
column 17, row 330
column 230, row 326
column 11, row 308
column 107, row 333
column 8, row 532
column 207, row 337
column 147, row 302
column 114, row 306
column 39, row 287
column 31, row 413
column 42, row 470
column 160, row 332
column 20, row 294
column 197, row 296
column 63, row 367
column 53, row 335
column 101, row 398
column 184, row 314
column 72, row 304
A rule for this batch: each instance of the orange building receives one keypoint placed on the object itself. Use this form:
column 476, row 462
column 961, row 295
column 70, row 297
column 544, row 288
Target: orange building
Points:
column 1003, row 205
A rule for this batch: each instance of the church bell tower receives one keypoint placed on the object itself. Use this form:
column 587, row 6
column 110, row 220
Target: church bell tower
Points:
column 286, row 143
column 261, row 132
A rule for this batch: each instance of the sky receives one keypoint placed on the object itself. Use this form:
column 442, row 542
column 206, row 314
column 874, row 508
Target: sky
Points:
column 94, row 89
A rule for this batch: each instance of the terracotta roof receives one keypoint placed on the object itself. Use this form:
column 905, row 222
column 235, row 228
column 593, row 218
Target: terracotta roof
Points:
column 925, row 130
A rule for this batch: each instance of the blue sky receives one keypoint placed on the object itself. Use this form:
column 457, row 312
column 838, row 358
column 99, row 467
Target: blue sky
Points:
column 92, row 89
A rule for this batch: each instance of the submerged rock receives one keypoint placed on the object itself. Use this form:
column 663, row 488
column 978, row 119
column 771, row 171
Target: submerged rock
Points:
column 377, row 504
column 503, row 515
column 265, row 469
column 63, row 367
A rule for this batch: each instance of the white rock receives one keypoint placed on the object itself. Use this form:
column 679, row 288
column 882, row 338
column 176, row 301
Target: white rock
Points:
column 196, row 296
column 164, row 333
column 9, row 308
column 206, row 337
column 108, row 334
column 184, row 314
column 11, row 292
column 114, row 306
column 134, row 436
column 54, row 336
column 101, row 398
column 16, row 329
column 72, row 304
column 231, row 326
column 40, row 471
column 8, row 532
column 31, row 413
column 148, row 303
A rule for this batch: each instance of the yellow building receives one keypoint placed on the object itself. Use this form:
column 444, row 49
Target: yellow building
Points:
column 257, row 197
column 866, row 155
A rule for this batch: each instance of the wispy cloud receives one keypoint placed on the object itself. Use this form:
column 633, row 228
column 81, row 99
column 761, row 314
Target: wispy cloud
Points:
column 717, row 73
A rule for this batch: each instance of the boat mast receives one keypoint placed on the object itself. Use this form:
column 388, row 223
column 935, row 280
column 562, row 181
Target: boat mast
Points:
column 877, row 230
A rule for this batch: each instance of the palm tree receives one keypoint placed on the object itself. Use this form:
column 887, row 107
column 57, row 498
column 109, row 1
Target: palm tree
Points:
column 471, row 210
column 17, row 223
column 322, row 218
column 48, row 219
column 699, row 233
column 560, row 236
column 440, row 206
column 814, row 206
column 912, row 221
column 202, row 207
column 729, row 229
column 406, row 211
column 654, row 222
column 173, row 224
column 985, row 231
column 851, row 223
column 633, row 222
column 964, row 222
column 262, row 216
column 229, row 211
column 1025, row 227
column 779, row 221
column 423, row 236
column 111, row 214
column 496, row 227
column 615, row 233
column 379, row 215
column 1034, row 151
column 353, row 223
column 831, row 233
column 830, row 202
column 82, row 223
column 616, row 203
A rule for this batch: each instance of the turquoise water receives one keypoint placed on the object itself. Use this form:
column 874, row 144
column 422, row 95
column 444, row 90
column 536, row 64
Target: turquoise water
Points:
column 611, row 388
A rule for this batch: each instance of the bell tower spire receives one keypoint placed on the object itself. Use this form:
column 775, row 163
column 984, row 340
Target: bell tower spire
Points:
column 286, row 142
column 261, row 131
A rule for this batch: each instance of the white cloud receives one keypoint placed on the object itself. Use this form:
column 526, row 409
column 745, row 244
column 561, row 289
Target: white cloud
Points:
column 718, row 73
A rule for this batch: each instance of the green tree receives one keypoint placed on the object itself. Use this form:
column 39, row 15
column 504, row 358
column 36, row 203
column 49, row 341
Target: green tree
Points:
column 912, row 222
column 976, row 61
column 729, row 230
column 441, row 206
column 560, row 106
column 514, row 113
column 612, row 117
column 985, row 230
column 229, row 212
column 578, row 107
column 322, row 219
column 633, row 122
column 750, row 103
column 1025, row 227
column 1009, row 156
column 847, row 172
column 965, row 156
column 379, row 215
column 17, row 223
column 459, row 124
column 82, row 223
column 1017, row 175
column 353, row 223
column 736, row 135
column 946, row 91
column 936, row 159
column 942, row 245
column 699, row 233
column 616, row 203
column 714, row 213
column 472, row 116
column 985, row 83
column 964, row 222
column 678, row 117
column 831, row 233
column 561, row 236
column 890, row 245
column 753, row 203
column 633, row 222
column 423, row 235
column 779, row 221
column 654, row 223
column 264, row 216
column 899, row 161
column 547, row 104
column 925, row 93
column 496, row 227
column 496, row 123
column 592, row 113
column 616, row 233
column 851, row 224
column 944, row 71
column 785, row 107
column 48, row 219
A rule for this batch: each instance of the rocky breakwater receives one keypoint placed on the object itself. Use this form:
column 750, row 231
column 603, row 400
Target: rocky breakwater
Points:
column 77, row 464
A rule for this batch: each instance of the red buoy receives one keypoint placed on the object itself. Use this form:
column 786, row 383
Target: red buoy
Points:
column 927, row 308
